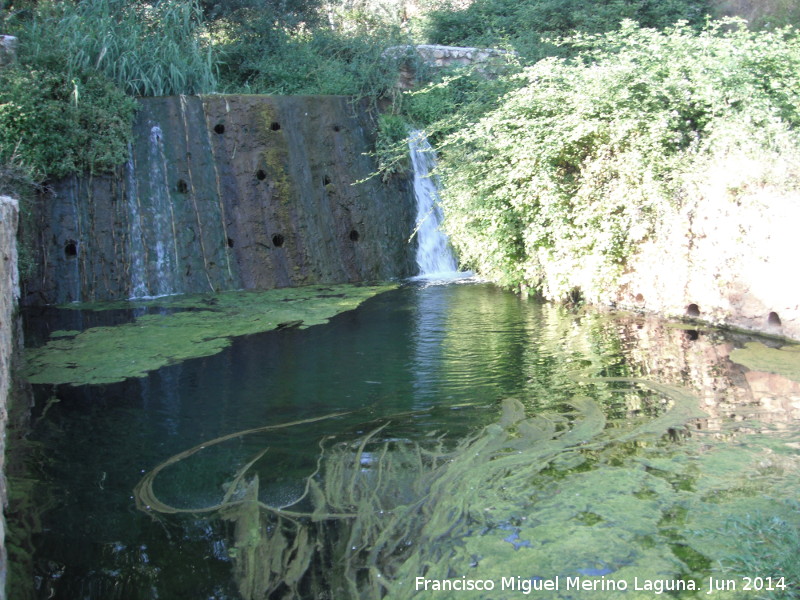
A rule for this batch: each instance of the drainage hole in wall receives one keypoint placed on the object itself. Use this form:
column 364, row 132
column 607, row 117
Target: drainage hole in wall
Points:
column 71, row 249
column 261, row 174
column 230, row 243
column 275, row 126
column 354, row 235
column 277, row 240
column 326, row 180
column 336, row 128
column 219, row 128
column 183, row 187
column 692, row 310
column 773, row 319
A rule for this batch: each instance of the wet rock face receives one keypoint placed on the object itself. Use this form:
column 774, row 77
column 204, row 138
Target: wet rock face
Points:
column 9, row 343
column 227, row 192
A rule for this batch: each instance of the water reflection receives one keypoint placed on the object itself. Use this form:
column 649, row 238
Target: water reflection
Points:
column 441, row 357
column 735, row 398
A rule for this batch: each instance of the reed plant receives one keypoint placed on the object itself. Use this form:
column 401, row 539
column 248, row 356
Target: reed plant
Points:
column 66, row 106
column 147, row 50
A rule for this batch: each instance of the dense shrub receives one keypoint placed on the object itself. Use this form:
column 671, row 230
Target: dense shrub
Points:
column 761, row 14
column 457, row 97
column 555, row 189
column 66, row 106
column 261, row 56
column 55, row 125
column 391, row 146
column 523, row 23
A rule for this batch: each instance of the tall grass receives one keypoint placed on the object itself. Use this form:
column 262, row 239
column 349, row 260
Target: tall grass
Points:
column 147, row 50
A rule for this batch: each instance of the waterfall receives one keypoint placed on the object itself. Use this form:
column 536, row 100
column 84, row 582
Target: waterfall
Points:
column 434, row 255
column 137, row 248
column 162, row 220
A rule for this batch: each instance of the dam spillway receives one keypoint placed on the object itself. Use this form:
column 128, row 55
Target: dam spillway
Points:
column 226, row 192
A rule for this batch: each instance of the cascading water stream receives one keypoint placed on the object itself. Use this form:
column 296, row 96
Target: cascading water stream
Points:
column 138, row 248
column 434, row 255
column 163, row 223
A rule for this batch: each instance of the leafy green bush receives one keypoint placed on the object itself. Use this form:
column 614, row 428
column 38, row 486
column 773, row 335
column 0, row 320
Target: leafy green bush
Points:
column 459, row 96
column 260, row 56
column 63, row 106
column 761, row 14
column 55, row 126
column 391, row 146
column 556, row 188
column 523, row 24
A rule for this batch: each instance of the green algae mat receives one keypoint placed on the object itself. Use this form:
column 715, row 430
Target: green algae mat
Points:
column 758, row 357
column 190, row 327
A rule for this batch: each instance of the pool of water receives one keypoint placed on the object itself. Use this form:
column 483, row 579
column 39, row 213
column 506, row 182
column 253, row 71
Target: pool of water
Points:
column 429, row 360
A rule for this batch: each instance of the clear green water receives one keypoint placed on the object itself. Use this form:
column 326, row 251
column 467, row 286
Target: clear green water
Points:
column 683, row 503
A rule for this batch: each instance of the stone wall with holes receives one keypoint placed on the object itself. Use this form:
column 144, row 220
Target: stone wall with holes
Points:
column 227, row 192
column 438, row 57
column 728, row 257
column 9, row 293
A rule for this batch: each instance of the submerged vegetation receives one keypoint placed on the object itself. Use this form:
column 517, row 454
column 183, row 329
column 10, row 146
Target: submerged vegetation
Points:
column 541, row 497
column 758, row 357
column 559, row 160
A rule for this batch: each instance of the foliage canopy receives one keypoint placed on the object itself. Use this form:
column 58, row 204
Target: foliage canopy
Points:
column 523, row 25
column 554, row 189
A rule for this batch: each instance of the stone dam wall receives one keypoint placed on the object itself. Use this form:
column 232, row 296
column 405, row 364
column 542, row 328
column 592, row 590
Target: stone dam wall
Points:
column 9, row 293
column 226, row 192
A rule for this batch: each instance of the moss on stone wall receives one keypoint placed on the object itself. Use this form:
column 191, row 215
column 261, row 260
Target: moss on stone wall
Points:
column 275, row 155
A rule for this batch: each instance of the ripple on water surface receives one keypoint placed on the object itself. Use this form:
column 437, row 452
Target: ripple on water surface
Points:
column 429, row 360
